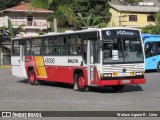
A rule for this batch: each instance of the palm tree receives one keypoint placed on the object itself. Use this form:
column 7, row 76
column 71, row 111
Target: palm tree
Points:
column 88, row 21
column 59, row 8
column 13, row 31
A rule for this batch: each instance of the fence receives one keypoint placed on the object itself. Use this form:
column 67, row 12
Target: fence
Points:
column 5, row 60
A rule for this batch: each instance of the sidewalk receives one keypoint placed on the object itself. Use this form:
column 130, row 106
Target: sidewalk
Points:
column 5, row 66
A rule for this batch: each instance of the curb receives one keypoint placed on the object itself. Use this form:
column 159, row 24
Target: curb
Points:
column 5, row 66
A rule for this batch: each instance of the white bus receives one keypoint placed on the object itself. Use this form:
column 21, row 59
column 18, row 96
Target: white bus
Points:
column 111, row 57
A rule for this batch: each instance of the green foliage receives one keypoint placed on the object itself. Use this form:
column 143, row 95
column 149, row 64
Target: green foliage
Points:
column 153, row 29
column 51, row 29
column 40, row 4
column 85, row 21
column 102, row 25
column 60, row 8
column 8, row 3
column 156, row 29
column 98, row 8
column 66, row 12
column 147, row 29
column 13, row 31
column 157, row 17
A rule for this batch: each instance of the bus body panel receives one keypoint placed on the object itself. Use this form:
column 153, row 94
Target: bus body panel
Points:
column 121, row 82
column 152, row 62
column 18, row 67
column 152, row 55
column 65, row 74
column 51, row 72
column 62, row 67
column 15, row 63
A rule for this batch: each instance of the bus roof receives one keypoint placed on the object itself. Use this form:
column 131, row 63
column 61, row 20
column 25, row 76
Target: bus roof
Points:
column 145, row 35
column 152, row 39
column 75, row 32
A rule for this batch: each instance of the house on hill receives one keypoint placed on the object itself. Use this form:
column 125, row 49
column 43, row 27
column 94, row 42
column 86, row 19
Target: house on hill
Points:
column 132, row 16
column 34, row 20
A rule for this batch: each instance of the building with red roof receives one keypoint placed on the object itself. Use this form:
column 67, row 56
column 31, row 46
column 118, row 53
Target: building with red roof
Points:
column 33, row 19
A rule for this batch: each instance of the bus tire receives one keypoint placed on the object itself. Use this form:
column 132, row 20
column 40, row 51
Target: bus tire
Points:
column 118, row 88
column 32, row 78
column 158, row 67
column 81, row 83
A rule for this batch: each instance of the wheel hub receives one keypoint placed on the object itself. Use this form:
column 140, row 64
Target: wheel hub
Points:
column 81, row 82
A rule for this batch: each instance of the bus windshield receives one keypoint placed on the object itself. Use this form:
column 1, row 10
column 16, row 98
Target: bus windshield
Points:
column 122, row 50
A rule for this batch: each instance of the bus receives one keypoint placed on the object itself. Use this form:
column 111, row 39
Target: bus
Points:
column 152, row 51
column 108, row 57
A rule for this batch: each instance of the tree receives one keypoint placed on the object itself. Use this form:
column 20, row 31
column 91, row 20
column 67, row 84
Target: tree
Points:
column 14, row 31
column 85, row 21
column 147, row 29
column 98, row 8
column 155, row 29
column 59, row 8
column 4, row 4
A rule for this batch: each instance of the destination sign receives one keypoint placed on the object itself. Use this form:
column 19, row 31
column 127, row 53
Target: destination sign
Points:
column 110, row 40
column 119, row 32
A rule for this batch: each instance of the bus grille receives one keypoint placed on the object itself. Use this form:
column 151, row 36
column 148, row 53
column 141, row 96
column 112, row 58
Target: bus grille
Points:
column 120, row 67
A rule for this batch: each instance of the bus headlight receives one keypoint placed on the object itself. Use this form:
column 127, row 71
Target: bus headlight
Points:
column 106, row 75
column 139, row 73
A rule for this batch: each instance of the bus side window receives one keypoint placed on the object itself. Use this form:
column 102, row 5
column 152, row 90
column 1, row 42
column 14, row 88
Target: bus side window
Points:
column 150, row 50
column 74, row 45
column 147, row 50
column 85, row 51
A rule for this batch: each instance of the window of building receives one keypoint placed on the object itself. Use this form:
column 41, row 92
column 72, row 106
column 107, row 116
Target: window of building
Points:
column 150, row 18
column 132, row 17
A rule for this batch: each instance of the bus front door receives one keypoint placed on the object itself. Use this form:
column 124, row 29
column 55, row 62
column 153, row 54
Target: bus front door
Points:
column 91, row 63
column 22, row 61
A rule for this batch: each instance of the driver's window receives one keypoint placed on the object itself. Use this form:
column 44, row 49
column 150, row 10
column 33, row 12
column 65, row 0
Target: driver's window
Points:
column 85, row 51
column 150, row 49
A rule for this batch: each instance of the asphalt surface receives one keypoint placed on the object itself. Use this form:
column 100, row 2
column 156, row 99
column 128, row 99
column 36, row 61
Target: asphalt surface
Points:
column 17, row 95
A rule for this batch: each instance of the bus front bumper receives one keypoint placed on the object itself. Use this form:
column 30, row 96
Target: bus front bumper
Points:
column 121, row 82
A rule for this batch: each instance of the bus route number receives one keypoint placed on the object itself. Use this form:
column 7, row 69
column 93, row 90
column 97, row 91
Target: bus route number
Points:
column 49, row 60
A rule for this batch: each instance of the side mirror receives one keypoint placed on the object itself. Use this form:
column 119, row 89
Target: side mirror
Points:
column 101, row 43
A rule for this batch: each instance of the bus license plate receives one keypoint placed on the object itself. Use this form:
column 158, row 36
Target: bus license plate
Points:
column 125, row 81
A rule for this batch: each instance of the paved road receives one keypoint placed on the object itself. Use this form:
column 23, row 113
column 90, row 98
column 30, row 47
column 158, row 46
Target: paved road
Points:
column 17, row 95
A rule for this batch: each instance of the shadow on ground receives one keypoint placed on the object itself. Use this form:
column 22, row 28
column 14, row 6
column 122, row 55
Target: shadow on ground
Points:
column 150, row 71
column 127, row 88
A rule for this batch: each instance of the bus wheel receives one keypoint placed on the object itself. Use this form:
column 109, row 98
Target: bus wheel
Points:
column 81, row 83
column 158, row 67
column 117, row 88
column 32, row 78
